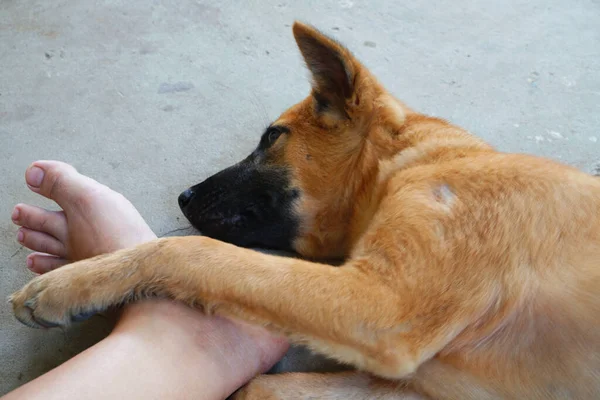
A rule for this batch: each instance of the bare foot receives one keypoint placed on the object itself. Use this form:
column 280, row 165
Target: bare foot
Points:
column 94, row 220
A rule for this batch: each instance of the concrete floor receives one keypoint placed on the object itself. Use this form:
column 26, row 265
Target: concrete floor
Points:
column 152, row 96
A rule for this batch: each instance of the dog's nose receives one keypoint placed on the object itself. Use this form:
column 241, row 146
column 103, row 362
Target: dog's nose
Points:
column 185, row 198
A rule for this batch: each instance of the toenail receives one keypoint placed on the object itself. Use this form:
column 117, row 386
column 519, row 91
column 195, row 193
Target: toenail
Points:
column 35, row 176
column 15, row 214
column 20, row 236
column 29, row 262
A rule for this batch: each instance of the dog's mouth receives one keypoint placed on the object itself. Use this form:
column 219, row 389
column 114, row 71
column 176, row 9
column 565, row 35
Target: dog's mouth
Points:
column 244, row 205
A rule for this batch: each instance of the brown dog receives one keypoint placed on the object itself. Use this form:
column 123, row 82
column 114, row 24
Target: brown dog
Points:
column 468, row 273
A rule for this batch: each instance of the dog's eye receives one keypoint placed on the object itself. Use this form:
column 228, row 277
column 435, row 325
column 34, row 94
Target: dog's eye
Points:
column 273, row 135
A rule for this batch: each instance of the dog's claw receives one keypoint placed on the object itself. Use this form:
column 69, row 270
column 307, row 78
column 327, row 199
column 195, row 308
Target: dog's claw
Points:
column 26, row 318
column 30, row 303
column 43, row 323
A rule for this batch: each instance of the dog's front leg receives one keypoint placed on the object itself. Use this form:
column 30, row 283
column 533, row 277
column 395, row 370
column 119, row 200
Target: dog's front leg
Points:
column 342, row 312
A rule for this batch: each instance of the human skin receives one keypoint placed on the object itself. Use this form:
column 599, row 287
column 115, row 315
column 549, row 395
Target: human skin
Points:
column 158, row 348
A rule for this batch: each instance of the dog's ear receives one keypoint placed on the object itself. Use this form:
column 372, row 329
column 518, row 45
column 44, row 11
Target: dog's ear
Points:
column 332, row 67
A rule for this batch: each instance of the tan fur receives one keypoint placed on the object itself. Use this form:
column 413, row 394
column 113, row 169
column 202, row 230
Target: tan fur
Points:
column 469, row 273
column 339, row 386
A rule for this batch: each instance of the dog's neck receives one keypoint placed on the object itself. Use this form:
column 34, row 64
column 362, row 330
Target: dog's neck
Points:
column 406, row 141
column 400, row 139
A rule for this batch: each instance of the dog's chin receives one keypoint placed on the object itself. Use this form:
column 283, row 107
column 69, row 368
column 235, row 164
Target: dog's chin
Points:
column 232, row 231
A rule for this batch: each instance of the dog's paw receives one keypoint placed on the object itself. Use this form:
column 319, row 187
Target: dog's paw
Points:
column 51, row 300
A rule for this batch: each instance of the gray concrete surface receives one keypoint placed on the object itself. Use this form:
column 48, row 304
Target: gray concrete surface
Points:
column 152, row 96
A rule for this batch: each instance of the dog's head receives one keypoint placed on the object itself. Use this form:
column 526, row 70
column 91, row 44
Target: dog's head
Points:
column 300, row 188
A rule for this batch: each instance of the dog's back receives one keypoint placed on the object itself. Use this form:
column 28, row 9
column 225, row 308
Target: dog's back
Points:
column 527, row 229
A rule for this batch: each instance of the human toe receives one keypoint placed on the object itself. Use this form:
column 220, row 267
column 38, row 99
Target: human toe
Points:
column 38, row 219
column 40, row 241
column 60, row 182
column 41, row 263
